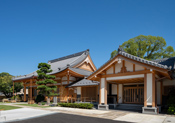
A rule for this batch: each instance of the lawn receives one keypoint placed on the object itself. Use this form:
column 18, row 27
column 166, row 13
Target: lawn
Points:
column 33, row 105
column 7, row 107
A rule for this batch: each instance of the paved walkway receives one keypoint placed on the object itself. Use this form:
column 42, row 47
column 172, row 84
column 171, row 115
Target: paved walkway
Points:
column 23, row 113
column 116, row 115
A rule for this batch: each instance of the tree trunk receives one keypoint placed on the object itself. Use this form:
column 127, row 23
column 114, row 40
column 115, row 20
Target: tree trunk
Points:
column 48, row 101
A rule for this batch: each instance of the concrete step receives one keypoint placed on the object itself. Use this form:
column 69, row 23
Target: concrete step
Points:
column 133, row 107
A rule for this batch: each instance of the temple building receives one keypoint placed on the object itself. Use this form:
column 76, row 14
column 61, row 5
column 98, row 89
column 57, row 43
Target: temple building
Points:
column 123, row 80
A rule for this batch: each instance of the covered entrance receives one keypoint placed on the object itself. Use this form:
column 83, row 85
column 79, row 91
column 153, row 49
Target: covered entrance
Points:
column 133, row 94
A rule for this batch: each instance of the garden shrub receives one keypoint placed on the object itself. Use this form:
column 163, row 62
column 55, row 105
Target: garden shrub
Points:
column 39, row 98
column 171, row 109
column 17, row 97
column 77, row 105
column 43, row 103
column 171, row 101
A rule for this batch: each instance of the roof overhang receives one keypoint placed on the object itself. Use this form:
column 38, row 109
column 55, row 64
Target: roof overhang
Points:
column 150, row 67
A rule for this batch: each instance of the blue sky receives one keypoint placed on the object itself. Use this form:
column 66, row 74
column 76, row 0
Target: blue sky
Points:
column 33, row 31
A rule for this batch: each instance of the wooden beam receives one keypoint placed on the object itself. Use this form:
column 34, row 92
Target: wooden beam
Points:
column 126, row 74
column 145, row 90
column 159, row 79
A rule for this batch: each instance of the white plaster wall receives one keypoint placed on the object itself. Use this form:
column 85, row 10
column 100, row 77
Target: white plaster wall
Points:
column 114, row 89
column 129, row 66
column 120, row 93
column 118, row 67
column 70, row 78
column 158, row 92
column 125, row 77
column 168, row 82
column 102, row 90
column 149, row 89
column 64, row 82
column 138, row 68
column 64, row 78
column 79, row 90
column 110, row 70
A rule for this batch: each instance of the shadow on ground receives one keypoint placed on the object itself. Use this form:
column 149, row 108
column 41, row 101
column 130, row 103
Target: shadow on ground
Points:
column 65, row 118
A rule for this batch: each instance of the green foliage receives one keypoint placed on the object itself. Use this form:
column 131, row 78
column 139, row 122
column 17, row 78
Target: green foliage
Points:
column 39, row 98
column 43, row 103
column 16, row 97
column 171, row 110
column 45, row 79
column 77, row 105
column 171, row 101
column 6, row 85
column 147, row 47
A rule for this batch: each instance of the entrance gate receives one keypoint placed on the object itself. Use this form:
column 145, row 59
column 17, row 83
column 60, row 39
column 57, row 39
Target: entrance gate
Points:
column 133, row 94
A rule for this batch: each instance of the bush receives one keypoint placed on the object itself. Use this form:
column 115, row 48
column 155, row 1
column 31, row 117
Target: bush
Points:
column 77, row 105
column 17, row 97
column 39, row 98
column 43, row 103
column 171, row 109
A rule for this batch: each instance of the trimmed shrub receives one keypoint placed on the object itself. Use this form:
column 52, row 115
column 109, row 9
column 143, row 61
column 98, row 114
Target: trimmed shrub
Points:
column 77, row 105
column 39, row 98
column 171, row 110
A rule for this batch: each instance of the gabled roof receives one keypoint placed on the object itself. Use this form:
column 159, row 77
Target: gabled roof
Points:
column 60, row 64
column 135, row 58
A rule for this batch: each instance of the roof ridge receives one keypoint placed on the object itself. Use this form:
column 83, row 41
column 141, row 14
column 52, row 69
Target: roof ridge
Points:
column 68, row 56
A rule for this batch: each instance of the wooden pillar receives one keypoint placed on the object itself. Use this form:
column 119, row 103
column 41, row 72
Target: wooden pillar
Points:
column 117, row 93
column 161, row 91
column 153, row 90
column 100, row 92
column 30, row 89
column 97, row 94
column 24, row 92
column 13, row 91
column 106, row 92
column 145, row 90
column 68, row 83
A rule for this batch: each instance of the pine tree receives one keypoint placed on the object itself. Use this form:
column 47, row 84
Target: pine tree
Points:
column 44, row 80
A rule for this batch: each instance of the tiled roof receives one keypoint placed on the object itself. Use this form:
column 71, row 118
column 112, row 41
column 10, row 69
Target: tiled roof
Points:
column 170, row 62
column 84, row 82
column 153, row 63
column 81, row 71
column 123, row 53
column 60, row 64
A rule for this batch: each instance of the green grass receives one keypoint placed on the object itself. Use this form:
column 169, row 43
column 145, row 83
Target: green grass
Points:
column 33, row 105
column 7, row 107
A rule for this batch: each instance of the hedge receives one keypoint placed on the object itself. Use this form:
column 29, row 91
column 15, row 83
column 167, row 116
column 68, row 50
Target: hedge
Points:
column 77, row 105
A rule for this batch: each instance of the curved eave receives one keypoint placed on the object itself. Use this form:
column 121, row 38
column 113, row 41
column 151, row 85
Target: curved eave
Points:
column 24, row 79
